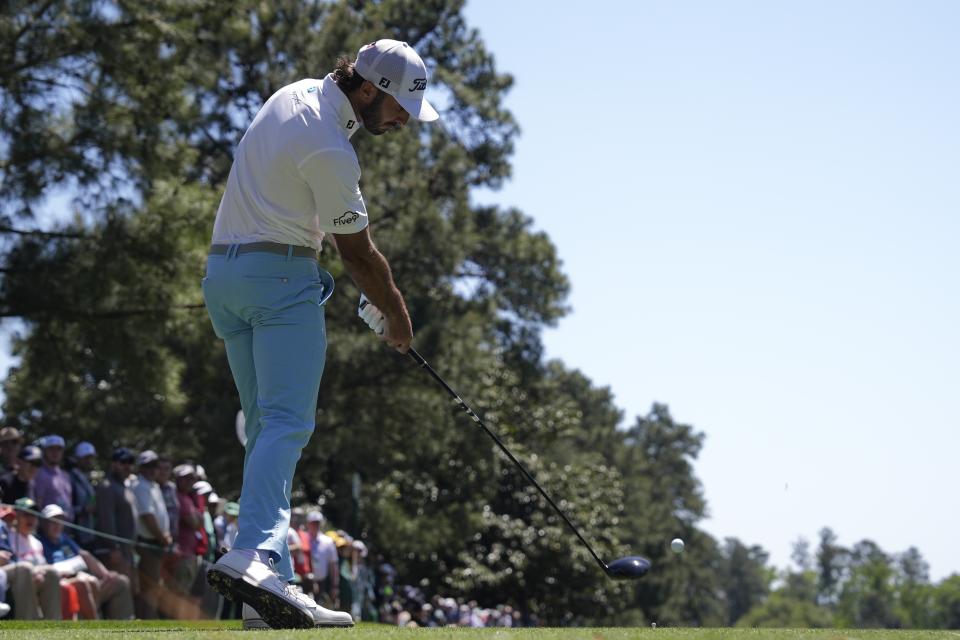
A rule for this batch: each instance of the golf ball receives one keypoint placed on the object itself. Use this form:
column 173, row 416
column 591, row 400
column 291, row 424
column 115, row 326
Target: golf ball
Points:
column 677, row 545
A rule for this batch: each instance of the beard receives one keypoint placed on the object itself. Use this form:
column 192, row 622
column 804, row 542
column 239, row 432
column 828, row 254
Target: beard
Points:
column 372, row 115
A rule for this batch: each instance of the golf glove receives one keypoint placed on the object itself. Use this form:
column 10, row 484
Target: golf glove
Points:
column 372, row 316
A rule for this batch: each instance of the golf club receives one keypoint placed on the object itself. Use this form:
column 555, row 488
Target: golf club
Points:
column 627, row 568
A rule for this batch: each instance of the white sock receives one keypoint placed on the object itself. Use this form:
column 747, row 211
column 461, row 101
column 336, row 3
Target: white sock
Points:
column 260, row 554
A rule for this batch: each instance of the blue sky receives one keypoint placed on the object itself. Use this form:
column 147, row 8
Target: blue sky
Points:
column 758, row 206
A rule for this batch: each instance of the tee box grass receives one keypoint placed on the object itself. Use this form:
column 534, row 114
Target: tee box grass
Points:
column 230, row 630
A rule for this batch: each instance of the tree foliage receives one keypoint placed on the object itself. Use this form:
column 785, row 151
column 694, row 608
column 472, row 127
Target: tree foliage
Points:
column 866, row 587
column 745, row 576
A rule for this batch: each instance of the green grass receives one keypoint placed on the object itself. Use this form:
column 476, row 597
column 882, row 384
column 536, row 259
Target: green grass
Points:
column 177, row 630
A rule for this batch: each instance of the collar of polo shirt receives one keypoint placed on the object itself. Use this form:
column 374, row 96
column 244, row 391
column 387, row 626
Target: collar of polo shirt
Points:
column 346, row 118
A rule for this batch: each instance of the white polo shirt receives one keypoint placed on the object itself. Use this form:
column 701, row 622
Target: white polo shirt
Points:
column 149, row 499
column 295, row 174
column 323, row 551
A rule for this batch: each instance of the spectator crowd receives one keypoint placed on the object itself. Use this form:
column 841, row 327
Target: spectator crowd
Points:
column 135, row 541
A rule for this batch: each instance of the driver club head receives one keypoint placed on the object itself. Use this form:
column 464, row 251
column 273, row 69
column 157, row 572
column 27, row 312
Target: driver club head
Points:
column 629, row 568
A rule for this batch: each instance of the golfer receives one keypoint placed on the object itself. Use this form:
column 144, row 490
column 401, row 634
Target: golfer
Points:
column 294, row 178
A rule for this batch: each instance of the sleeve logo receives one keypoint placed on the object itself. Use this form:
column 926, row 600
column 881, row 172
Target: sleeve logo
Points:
column 348, row 217
column 419, row 84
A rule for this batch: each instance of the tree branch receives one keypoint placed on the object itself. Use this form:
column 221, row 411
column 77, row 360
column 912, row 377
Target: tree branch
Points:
column 114, row 314
column 41, row 233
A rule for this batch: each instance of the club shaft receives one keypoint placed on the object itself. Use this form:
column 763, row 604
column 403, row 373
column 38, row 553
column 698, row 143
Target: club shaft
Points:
column 463, row 405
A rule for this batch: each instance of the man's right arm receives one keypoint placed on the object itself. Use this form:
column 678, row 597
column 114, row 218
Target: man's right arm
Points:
column 371, row 271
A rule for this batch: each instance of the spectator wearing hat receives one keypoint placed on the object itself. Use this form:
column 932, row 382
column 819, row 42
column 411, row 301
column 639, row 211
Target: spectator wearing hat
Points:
column 84, row 494
column 207, row 501
column 11, row 440
column 20, row 482
column 347, row 562
column 231, row 512
column 227, row 529
column 53, row 484
column 117, row 515
column 184, row 565
column 203, row 495
column 26, row 586
column 298, row 520
column 323, row 559
column 169, row 488
column 298, row 542
column 153, row 534
column 211, row 504
column 107, row 589
column 76, row 596
column 364, row 601
column 39, row 584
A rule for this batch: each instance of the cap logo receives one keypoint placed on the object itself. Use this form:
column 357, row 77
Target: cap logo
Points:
column 384, row 83
column 419, row 84
column 350, row 124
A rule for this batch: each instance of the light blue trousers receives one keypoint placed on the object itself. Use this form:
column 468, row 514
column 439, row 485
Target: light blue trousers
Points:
column 268, row 309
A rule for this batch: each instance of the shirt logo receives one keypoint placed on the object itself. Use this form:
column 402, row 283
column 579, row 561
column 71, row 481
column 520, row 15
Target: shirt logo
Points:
column 419, row 84
column 384, row 83
column 348, row 217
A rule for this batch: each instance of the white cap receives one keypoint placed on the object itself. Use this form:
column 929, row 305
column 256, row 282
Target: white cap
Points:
column 184, row 470
column 147, row 457
column 315, row 516
column 52, row 511
column 362, row 548
column 202, row 487
column 395, row 68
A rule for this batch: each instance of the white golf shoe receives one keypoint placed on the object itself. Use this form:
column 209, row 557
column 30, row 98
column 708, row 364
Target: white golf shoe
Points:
column 321, row 617
column 241, row 575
